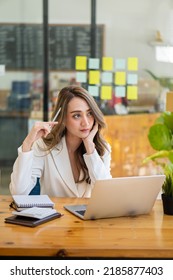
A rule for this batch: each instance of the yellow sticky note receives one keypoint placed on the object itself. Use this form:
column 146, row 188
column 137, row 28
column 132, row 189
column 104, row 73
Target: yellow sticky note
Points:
column 120, row 78
column 107, row 63
column 132, row 92
column 106, row 92
column 132, row 64
column 81, row 62
column 94, row 77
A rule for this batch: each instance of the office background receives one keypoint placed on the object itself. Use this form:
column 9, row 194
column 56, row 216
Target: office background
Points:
column 131, row 28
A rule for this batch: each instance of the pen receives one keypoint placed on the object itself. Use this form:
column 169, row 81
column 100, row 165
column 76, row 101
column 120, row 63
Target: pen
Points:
column 56, row 114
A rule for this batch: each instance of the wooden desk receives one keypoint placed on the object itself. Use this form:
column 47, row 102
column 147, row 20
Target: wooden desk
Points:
column 146, row 236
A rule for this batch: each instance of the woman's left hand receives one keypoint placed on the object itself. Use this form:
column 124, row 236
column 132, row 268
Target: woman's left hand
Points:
column 88, row 141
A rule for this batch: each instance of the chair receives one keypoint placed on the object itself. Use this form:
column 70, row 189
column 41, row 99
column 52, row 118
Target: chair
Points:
column 36, row 188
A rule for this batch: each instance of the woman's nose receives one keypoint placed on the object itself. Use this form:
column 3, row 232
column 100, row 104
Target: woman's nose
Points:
column 85, row 121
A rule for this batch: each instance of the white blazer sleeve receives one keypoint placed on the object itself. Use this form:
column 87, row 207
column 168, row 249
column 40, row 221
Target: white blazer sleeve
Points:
column 26, row 169
column 99, row 167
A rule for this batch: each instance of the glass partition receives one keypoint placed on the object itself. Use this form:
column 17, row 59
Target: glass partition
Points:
column 21, row 78
column 127, row 77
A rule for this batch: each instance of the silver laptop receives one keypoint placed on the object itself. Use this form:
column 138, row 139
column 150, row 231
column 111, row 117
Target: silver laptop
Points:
column 116, row 197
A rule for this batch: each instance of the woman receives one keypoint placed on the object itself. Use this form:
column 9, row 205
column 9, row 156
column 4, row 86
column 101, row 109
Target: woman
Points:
column 69, row 154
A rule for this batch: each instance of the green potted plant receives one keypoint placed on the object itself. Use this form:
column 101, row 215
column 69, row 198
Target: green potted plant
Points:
column 160, row 137
column 167, row 188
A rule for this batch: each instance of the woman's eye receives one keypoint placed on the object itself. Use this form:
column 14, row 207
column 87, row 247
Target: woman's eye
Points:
column 76, row 116
column 90, row 114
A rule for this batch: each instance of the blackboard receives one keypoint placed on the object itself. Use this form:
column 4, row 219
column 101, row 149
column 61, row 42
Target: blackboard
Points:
column 21, row 45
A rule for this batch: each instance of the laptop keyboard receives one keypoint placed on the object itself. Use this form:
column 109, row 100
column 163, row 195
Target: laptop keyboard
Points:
column 81, row 212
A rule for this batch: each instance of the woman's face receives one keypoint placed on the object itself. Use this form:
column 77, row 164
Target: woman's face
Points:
column 79, row 119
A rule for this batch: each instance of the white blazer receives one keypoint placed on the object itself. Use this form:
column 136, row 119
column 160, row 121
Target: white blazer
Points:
column 54, row 170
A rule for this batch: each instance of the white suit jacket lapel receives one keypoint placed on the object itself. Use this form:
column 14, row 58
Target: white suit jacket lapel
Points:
column 62, row 163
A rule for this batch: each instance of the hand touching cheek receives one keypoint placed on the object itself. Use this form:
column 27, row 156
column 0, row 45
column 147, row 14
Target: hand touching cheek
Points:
column 88, row 141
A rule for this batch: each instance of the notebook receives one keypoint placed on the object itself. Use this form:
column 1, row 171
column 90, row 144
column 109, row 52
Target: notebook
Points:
column 30, row 222
column 21, row 202
column 35, row 212
column 116, row 197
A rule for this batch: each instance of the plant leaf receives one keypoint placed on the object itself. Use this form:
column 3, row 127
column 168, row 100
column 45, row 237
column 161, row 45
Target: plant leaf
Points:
column 160, row 119
column 160, row 137
column 160, row 154
column 170, row 156
column 167, row 186
column 168, row 119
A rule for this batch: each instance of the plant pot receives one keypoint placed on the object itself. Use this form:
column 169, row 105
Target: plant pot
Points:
column 167, row 204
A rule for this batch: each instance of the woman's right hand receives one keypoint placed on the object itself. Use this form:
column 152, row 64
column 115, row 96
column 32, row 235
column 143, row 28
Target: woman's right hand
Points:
column 40, row 129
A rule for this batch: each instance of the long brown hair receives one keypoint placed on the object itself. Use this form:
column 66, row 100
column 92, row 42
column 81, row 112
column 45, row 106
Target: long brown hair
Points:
column 59, row 130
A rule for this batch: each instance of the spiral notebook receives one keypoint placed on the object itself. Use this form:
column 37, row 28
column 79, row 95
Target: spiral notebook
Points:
column 21, row 202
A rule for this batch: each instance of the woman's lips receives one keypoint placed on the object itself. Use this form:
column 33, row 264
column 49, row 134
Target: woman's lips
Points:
column 84, row 130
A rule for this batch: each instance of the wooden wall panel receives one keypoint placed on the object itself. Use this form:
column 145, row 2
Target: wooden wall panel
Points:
column 169, row 101
column 128, row 138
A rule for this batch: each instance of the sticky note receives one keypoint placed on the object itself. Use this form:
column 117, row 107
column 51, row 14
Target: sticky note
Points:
column 94, row 77
column 107, row 63
column 107, row 77
column 120, row 64
column 94, row 63
column 81, row 77
column 81, row 62
column 132, row 79
column 106, row 92
column 93, row 90
column 132, row 92
column 120, row 78
column 132, row 64
column 120, row 91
